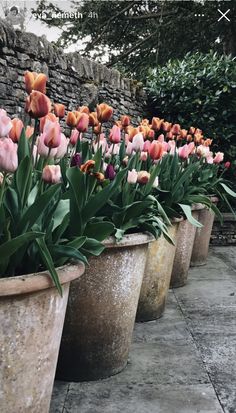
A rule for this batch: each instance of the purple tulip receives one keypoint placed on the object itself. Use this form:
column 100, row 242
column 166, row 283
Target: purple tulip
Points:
column 76, row 160
column 110, row 172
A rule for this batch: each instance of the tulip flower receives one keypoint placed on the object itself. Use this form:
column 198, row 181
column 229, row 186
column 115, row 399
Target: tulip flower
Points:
column 15, row 132
column 192, row 130
column 183, row 133
column 75, row 135
column 156, row 150
column 219, row 156
column 76, row 160
column 172, row 147
column 35, row 81
column 227, row 165
column 49, row 116
column 132, row 176
column 71, row 119
column 93, row 119
column 62, row 148
column 175, row 129
column 157, row 124
column 43, row 150
column 183, row 152
column 102, row 143
column 84, row 109
column 99, row 176
column 59, row 110
column 146, row 146
column 37, row 105
column 82, row 122
column 104, row 112
column 52, row 134
column 166, row 126
column 207, row 142
column 144, row 129
column 87, row 166
column 115, row 134
column 29, row 131
column 132, row 132
column 143, row 177
column 143, row 156
column 203, row 151
column 209, row 158
column 125, row 121
column 138, row 142
column 189, row 138
column 52, row 174
column 97, row 129
column 8, row 155
column 110, row 172
column 151, row 134
column 5, row 124
column 129, row 149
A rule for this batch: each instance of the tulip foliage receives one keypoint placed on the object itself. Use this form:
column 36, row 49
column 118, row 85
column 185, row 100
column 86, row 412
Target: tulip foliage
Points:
column 63, row 191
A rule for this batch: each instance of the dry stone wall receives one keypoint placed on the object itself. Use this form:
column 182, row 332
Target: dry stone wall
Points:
column 73, row 80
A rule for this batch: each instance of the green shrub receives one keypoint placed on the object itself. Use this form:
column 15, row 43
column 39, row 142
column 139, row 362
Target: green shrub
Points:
column 199, row 91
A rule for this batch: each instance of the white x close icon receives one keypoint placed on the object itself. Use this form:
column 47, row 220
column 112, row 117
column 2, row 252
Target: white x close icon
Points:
column 223, row 15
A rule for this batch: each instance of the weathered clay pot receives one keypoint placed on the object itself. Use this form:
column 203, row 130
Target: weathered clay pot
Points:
column 31, row 320
column 202, row 237
column 184, row 247
column 101, row 311
column 157, row 275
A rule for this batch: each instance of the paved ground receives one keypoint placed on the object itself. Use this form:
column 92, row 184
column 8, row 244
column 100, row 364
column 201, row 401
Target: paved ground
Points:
column 182, row 363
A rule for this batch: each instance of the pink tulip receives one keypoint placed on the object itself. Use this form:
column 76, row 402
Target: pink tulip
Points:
column 161, row 138
column 138, row 142
column 52, row 134
column 8, row 155
column 52, row 174
column 5, row 124
column 209, row 159
column 62, row 148
column 143, row 177
column 191, row 147
column 82, row 122
column 132, row 176
column 219, row 156
column 143, row 156
column 43, row 150
column 115, row 134
column 203, row 151
column 175, row 129
column 129, row 149
column 172, row 147
column 102, row 143
column 156, row 150
column 74, row 137
column 146, row 146
column 183, row 152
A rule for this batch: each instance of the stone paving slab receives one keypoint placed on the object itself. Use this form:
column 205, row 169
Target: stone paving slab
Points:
column 183, row 363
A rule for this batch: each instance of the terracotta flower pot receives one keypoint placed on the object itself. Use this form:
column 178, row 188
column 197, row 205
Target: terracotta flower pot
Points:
column 101, row 311
column 202, row 237
column 157, row 275
column 184, row 247
column 31, row 320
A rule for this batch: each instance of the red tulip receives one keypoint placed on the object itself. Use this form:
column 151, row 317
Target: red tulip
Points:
column 38, row 105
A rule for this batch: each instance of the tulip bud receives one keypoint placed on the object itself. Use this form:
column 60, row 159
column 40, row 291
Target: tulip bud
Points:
column 125, row 121
column 52, row 134
column 143, row 177
column 110, row 172
column 35, row 81
column 227, row 165
column 115, row 134
column 104, row 112
column 156, row 150
column 138, row 142
column 59, row 110
column 219, row 156
column 74, row 137
column 52, row 174
column 175, row 129
column 82, row 122
column 93, row 119
column 76, row 160
column 151, row 134
column 8, row 155
column 15, row 132
column 157, row 123
column 132, row 176
column 71, row 119
column 37, row 105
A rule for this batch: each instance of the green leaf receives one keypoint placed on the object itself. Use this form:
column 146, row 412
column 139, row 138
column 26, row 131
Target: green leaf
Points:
column 228, row 190
column 24, row 179
column 63, row 252
column 92, row 247
column 23, row 149
column 99, row 230
column 10, row 247
column 48, row 262
column 188, row 212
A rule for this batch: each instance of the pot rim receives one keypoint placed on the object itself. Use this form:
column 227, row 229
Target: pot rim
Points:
column 29, row 283
column 129, row 240
column 176, row 220
column 197, row 207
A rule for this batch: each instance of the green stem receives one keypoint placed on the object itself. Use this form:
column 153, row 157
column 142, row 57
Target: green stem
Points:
column 34, row 136
column 2, row 187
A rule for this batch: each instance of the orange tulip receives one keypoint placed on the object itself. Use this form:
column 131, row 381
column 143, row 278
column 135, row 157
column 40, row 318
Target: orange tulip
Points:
column 100, row 177
column 35, row 81
column 192, row 130
column 29, row 131
column 93, row 119
column 84, row 109
column 87, row 166
column 208, row 142
column 37, row 105
column 15, row 132
column 71, row 119
column 144, row 122
column 125, row 121
column 175, row 129
column 59, row 110
column 97, row 129
column 104, row 112
column 189, row 138
column 157, row 123
column 183, row 133
column 166, row 126
column 131, row 131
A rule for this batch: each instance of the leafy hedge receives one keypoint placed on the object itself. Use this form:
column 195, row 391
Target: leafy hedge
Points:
column 200, row 91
